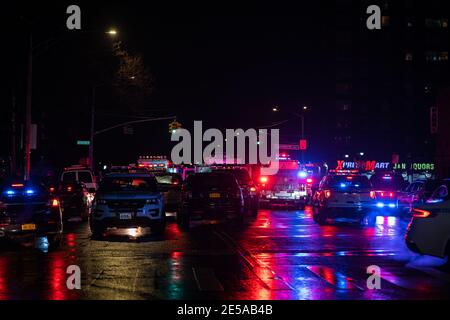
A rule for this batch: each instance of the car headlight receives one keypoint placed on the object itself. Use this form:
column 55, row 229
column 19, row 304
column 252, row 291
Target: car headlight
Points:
column 152, row 201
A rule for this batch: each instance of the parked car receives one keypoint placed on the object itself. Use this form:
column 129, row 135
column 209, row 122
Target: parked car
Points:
column 75, row 200
column 80, row 174
column 170, row 185
column 210, row 194
column 128, row 200
column 429, row 230
column 248, row 186
column 387, row 186
column 410, row 195
column 28, row 210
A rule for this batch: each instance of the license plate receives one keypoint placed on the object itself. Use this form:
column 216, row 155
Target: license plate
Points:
column 214, row 195
column 28, row 227
column 125, row 216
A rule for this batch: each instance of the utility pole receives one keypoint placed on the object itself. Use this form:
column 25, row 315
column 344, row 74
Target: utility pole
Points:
column 91, row 144
column 13, row 166
column 27, row 164
column 302, row 117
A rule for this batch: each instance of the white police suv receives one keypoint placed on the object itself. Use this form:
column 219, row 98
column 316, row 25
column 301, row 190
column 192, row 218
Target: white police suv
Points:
column 128, row 200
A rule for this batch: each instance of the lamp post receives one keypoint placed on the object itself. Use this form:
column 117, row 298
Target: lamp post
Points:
column 27, row 136
column 300, row 115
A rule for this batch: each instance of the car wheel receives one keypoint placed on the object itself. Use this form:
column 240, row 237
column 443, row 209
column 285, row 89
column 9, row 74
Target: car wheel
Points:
column 97, row 229
column 319, row 215
column 54, row 241
column 255, row 207
column 159, row 227
column 183, row 218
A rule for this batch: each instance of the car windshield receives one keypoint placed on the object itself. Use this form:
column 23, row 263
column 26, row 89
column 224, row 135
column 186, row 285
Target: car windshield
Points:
column 347, row 182
column 212, row 180
column 128, row 184
column 388, row 182
column 85, row 176
column 167, row 179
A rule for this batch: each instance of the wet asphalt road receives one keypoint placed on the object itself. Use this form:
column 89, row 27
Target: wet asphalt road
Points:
column 278, row 255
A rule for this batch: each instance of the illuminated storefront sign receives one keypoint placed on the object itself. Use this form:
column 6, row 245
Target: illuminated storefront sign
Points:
column 415, row 166
column 371, row 165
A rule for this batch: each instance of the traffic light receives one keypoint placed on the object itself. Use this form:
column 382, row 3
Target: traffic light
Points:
column 173, row 126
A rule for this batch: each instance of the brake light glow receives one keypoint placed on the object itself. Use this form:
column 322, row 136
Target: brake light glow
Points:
column 55, row 203
column 372, row 194
column 263, row 179
column 419, row 213
column 52, row 189
column 327, row 194
column 69, row 189
column 252, row 189
column 17, row 185
column 309, row 180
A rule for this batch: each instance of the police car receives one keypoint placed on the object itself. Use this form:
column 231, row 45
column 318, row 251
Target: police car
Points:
column 128, row 200
column 27, row 210
column 342, row 195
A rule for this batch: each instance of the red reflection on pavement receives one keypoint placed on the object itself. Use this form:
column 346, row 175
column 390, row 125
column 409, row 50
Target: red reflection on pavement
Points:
column 58, row 278
column 308, row 212
column 3, row 286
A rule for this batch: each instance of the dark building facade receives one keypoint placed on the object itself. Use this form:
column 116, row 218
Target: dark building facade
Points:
column 386, row 81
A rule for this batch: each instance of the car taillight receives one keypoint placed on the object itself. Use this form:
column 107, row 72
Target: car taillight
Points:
column 385, row 194
column 327, row 194
column 419, row 213
column 69, row 189
column 263, row 179
column 309, row 180
column 252, row 189
column 52, row 189
column 372, row 194
column 54, row 203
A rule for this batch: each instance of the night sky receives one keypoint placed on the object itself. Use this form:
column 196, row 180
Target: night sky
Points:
column 227, row 65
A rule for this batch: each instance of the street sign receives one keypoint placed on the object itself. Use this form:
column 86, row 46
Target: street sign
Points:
column 302, row 144
column 83, row 142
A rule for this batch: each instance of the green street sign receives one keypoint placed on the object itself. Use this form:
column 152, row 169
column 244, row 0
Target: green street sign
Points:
column 83, row 142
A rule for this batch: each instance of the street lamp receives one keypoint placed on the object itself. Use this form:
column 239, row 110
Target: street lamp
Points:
column 112, row 32
column 346, row 156
column 28, row 103
column 300, row 115
column 361, row 154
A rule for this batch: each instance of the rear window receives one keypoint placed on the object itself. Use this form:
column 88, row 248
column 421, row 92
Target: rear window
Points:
column 388, row 182
column 128, row 184
column 212, row 180
column 84, row 176
column 347, row 182
column 241, row 175
column 69, row 176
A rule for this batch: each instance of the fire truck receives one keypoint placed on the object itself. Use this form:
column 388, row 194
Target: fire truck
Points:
column 290, row 187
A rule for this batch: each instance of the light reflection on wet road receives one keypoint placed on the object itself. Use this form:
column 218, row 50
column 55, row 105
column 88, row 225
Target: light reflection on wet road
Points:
column 279, row 255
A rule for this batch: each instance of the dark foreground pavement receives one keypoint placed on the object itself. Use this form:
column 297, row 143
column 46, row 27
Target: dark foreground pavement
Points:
column 278, row 255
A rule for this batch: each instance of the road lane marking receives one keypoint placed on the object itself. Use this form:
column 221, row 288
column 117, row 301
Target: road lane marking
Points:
column 335, row 278
column 267, row 277
column 206, row 279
